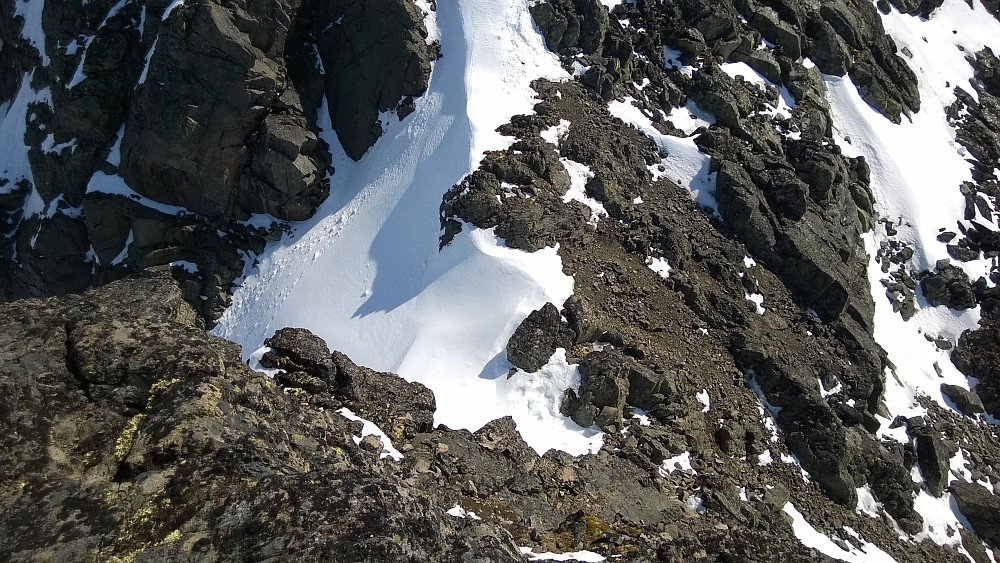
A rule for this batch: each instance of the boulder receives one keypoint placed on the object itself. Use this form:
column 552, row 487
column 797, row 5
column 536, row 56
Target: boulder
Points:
column 968, row 402
column 980, row 507
column 933, row 457
column 537, row 338
column 949, row 286
column 299, row 349
column 604, row 389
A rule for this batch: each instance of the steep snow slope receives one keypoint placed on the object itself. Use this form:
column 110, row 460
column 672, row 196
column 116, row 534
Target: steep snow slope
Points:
column 367, row 275
column 916, row 169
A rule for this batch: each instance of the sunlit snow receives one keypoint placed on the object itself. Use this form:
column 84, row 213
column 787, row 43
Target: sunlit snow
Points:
column 810, row 537
column 681, row 159
column 916, row 170
column 371, row 429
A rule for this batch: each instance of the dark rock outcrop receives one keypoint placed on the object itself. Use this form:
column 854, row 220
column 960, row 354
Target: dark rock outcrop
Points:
column 359, row 40
column 978, row 355
column 133, row 434
column 537, row 337
column 333, row 381
column 948, row 285
column 981, row 507
column 933, row 457
column 832, row 439
column 152, row 137
column 604, row 388
column 968, row 402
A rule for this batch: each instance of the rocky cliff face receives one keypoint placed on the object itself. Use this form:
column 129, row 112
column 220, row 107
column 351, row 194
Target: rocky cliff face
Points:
column 159, row 132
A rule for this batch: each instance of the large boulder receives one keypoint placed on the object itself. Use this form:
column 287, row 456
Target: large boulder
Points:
column 949, row 286
column 980, row 507
column 968, row 402
column 537, row 338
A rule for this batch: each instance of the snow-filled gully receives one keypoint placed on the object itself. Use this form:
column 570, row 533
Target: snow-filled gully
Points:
column 367, row 276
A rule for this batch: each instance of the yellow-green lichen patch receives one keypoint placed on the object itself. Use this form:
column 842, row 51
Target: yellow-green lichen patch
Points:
column 123, row 445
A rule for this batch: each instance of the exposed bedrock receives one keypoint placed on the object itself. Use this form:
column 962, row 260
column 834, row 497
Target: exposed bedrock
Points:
column 208, row 112
column 805, row 208
column 977, row 122
column 839, row 37
column 134, row 435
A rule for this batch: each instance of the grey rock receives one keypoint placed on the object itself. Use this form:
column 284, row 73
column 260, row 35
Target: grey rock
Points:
column 949, row 285
column 968, row 402
column 570, row 24
column 297, row 348
column 185, row 141
column 580, row 319
column 933, row 456
column 765, row 20
column 399, row 407
column 358, row 40
column 830, row 52
column 286, row 175
column 604, row 389
column 537, row 337
column 980, row 507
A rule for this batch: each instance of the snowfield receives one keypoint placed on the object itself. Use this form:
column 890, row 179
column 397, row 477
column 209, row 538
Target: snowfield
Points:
column 367, row 276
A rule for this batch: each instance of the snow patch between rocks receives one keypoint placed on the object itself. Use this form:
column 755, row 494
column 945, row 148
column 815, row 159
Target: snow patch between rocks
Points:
column 810, row 537
column 585, row 556
column 458, row 512
column 680, row 462
column 681, row 160
column 371, row 429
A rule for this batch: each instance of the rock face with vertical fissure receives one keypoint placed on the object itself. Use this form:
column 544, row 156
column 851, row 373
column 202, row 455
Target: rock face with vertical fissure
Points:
column 207, row 113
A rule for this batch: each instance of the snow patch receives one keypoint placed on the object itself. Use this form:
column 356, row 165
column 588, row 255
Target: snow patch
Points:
column 681, row 160
column 579, row 175
column 254, row 362
column 867, row 504
column 189, row 267
column 765, row 458
column 123, row 255
column 810, row 537
column 659, row 265
column 32, row 32
column 690, row 118
column 585, row 556
column 458, row 512
column 680, row 462
column 556, row 133
column 703, row 398
column 14, row 164
column 49, row 145
column 696, row 502
column 370, row 429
